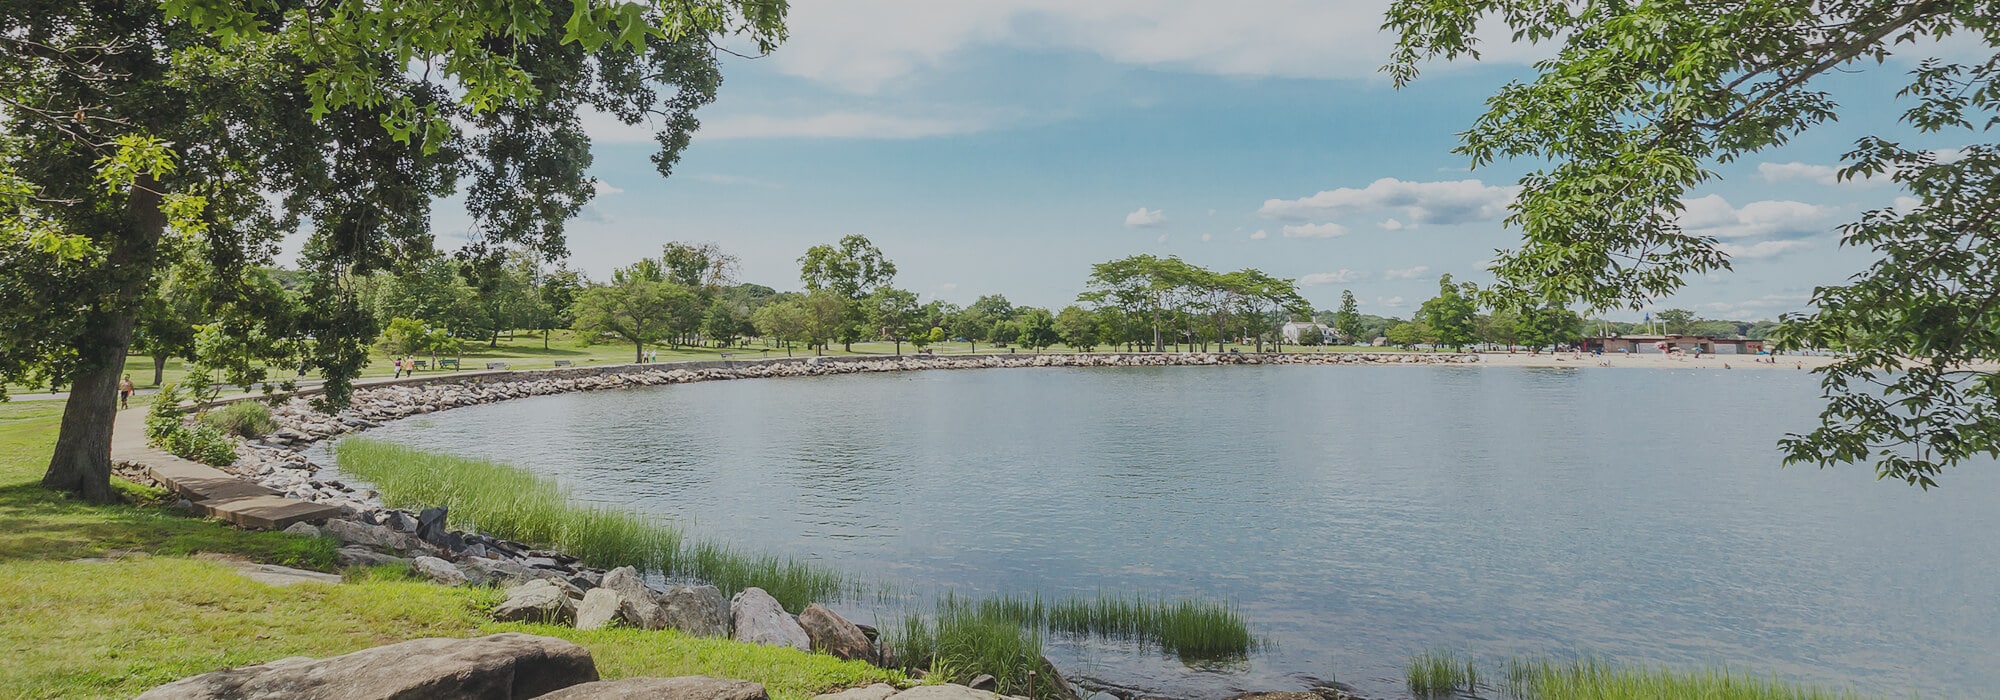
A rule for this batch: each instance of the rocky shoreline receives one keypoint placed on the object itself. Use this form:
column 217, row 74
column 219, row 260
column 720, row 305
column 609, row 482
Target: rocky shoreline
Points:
column 548, row 586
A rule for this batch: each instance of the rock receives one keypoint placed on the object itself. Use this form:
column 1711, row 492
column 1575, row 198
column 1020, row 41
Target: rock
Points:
column 945, row 692
column 1052, row 680
column 537, row 601
column 697, row 610
column 879, row 691
column 637, row 603
column 499, row 572
column 430, row 527
column 983, row 682
column 683, row 688
column 598, row 609
column 274, row 575
column 439, row 570
column 356, row 555
column 832, row 634
column 758, row 619
column 302, row 530
column 1101, row 695
column 349, row 532
column 508, row 665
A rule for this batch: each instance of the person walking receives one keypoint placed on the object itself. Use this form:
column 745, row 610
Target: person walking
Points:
column 125, row 389
column 398, row 362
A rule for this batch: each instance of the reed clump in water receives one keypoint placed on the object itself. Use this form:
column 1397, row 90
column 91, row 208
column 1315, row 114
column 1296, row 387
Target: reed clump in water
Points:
column 1593, row 679
column 1440, row 672
column 510, row 502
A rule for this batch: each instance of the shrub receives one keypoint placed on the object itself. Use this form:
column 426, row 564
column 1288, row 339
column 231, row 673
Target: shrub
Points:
column 201, row 443
column 248, row 419
column 165, row 415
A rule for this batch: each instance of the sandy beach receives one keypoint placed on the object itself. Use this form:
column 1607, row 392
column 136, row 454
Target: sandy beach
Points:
column 1652, row 361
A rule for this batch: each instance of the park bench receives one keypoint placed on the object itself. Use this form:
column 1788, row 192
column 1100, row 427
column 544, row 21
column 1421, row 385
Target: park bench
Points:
column 563, row 363
column 423, row 364
column 451, row 364
column 496, row 365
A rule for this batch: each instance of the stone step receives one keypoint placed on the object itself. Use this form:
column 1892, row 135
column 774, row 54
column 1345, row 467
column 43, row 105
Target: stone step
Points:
column 216, row 493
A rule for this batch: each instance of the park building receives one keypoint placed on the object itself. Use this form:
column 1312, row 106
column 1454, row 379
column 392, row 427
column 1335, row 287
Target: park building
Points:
column 1656, row 344
column 1293, row 329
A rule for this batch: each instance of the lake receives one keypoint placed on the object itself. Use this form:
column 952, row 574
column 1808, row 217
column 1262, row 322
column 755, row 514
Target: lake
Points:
column 1357, row 515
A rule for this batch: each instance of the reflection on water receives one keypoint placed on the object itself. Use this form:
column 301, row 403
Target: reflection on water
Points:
column 1357, row 515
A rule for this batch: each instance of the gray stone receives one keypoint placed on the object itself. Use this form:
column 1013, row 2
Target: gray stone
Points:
column 350, row 532
column 683, row 688
column 498, row 572
column 356, row 555
column 879, row 691
column 500, row 666
column 697, row 610
column 832, row 634
column 439, row 570
column 274, row 575
column 637, row 603
column 945, row 692
column 537, row 601
column 302, row 530
column 598, row 609
column 757, row 618
column 983, row 682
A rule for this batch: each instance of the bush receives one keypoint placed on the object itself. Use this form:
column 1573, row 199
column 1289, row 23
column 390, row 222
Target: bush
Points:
column 248, row 419
column 201, row 443
column 164, row 418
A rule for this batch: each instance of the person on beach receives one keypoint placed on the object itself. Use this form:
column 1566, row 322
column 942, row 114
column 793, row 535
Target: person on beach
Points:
column 125, row 389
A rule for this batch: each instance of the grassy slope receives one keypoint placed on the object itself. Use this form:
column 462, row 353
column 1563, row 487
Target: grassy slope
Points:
column 71, row 629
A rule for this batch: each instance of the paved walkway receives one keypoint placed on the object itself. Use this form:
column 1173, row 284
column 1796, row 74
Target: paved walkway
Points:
column 217, row 493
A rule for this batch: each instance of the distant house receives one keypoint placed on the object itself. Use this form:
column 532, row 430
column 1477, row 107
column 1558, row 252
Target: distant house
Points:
column 1642, row 344
column 1292, row 329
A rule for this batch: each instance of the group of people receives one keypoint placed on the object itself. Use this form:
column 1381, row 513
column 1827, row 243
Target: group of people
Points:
column 406, row 366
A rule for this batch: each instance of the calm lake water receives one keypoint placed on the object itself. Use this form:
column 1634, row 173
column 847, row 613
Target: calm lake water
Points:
column 1356, row 514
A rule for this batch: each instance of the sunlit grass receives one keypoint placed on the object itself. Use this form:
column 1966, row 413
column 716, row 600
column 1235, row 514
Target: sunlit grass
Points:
column 1441, row 672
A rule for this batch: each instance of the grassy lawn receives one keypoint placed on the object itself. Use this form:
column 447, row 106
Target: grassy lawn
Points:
column 156, row 613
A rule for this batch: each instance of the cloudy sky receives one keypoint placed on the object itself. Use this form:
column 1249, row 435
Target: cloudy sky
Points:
column 1006, row 146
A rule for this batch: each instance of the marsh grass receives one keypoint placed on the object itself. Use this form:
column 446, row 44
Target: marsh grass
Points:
column 961, row 639
column 511, row 502
column 1593, row 679
column 1441, row 672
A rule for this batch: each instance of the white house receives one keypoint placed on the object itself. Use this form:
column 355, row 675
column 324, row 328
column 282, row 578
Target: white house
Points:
column 1292, row 329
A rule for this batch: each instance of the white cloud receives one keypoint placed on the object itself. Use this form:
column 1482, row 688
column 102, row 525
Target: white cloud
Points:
column 836, row 125
column 1146, row 218
column 1406, row 273
column 948, row 287
column 1907, row 204
column 1161, row 239
column 1259, row 235
column 1714, row 216
column 1389, row 302
column 866, row 46
column 1807, row 172
column 1444, row 202
column 604, row 188
column 1342, row 276
column 1328, row 230
column 1391, row 225
column 1947, row 156
column 1207, row 237
column 1762, row 249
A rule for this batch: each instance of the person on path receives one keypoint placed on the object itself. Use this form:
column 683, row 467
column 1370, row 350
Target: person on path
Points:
column 399, row 368
column 125, row 389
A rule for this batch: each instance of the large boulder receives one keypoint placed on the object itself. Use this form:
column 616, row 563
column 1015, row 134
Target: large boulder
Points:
column 439, row 571
column 683, row 688
column 759, row 619
column 357, row 555
column 537, row 601
column 638, row 604
column 946, row 692
column 832, row 634
column 697, row 610
column 500, row 667
column 350, row 532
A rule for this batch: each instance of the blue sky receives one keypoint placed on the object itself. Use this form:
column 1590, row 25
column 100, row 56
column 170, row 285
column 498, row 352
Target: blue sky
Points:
column 1004, row 147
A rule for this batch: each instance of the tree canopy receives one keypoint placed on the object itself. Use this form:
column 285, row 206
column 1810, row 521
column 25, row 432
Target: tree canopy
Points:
column 1643, row 100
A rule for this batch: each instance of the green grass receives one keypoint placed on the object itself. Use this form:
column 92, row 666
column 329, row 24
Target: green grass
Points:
column 1441, row 672
column 1190, row 629
column 961, row 639
column 510, row 502
column 1591, row 679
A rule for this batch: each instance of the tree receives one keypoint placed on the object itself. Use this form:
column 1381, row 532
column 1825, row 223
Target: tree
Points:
column 557, row 290
column 826, row 317
column 722, row 323
column 1038, row 330
column 502, row 290
column 1449, row 314
column 128, row 123
column 1312, row 335
column 1640, row 102
column 1676, row 321
column 892, row 311
column 639, row 306
column 1077, row 327
column 702, row 266
column 1548, row 326
column 783, row 321
column 852, row 270
column 972, row 326
column 1408, row 334
column 1348, row 320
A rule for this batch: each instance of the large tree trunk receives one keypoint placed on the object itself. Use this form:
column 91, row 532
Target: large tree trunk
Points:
column 81, row 464
column 159, row 369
